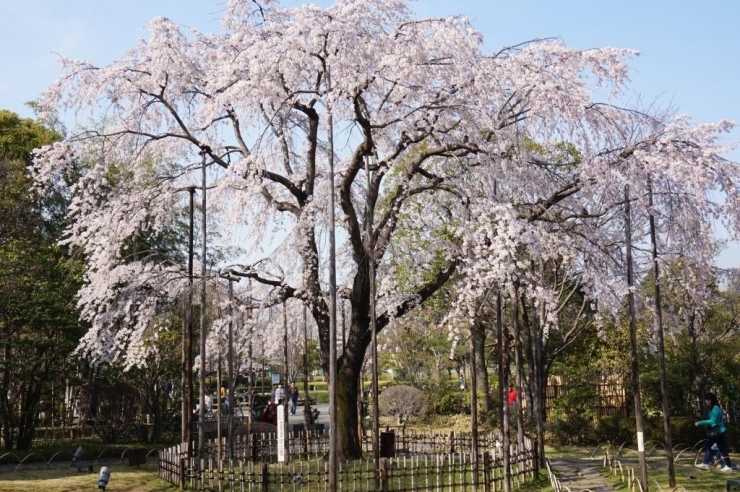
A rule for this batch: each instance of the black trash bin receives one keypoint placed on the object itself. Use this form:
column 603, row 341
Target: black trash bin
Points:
column 143, row 433
column 136, row 457
column 388, row 444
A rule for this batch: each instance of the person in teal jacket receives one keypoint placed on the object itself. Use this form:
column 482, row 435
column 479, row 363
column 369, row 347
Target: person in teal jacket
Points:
column 715, row 421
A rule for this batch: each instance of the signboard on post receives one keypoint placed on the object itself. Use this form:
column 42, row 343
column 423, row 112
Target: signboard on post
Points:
column 276, row 379
column 281, row 433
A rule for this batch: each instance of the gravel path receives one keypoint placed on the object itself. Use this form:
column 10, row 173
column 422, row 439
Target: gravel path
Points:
column 580, row 474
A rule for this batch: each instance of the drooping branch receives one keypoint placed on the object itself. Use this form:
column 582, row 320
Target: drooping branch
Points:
column 421, row 295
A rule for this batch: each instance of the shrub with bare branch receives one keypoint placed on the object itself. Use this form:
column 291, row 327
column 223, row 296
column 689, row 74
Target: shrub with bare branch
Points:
column 402, row 402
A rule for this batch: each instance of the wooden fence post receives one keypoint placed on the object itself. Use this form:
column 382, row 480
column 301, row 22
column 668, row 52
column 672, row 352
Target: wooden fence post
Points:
column 181, row 477
column 486, row 472
column 265, row 478
column 205, row 473
column 384, row 474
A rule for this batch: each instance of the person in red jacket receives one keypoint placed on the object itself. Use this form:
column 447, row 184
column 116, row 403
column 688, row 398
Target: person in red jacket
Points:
column 513, row 396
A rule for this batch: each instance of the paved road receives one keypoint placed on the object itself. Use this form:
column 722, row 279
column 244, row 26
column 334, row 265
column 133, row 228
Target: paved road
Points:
column 323, row 416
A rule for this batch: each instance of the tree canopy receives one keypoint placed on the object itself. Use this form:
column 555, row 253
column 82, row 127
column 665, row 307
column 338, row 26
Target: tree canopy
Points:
column 39, row 325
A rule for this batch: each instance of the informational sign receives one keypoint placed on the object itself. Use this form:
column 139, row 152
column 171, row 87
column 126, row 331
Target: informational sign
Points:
column 281, row 433
column 276, row 379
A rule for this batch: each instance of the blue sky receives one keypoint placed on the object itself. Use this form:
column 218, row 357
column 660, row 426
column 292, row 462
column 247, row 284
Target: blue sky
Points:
column 690, row 49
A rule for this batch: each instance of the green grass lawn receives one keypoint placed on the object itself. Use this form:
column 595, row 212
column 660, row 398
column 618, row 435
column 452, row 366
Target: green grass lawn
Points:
column 67, row 479
column 687, row 475
column 61, row 477
column 144, row 479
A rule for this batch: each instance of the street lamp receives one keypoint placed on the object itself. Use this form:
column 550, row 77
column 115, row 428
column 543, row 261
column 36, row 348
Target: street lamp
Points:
column 370, row 252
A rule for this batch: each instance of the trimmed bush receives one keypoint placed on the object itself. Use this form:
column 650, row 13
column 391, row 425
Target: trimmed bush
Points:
column 401, row 402
column 320, row 396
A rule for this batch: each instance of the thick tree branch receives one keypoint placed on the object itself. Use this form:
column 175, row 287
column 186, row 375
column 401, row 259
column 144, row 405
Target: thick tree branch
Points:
column 422, row 294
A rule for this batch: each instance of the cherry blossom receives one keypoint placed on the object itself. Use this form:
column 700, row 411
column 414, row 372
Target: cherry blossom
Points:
column 486, row 161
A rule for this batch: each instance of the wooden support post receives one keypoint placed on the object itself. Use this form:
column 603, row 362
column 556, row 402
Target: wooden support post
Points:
column 264, row 486
column 486, row 472
column 384, row 475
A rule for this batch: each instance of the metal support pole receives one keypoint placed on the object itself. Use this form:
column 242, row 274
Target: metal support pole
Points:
column 636, row 388
column 219, row 402
column 369, row 209
column 306, row 400
column 187, row 343
column 202, row 397
column 250, row 381
column 332, row 307
column 473, row 380
column 230, row 361
column 668, row 439
column 284, row 423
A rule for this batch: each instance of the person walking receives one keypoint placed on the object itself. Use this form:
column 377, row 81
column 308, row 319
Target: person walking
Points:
column 716, row 434
column 208, row 400
column 293, row 396
column 269, row 414
column 280, row 395
column 512, row 396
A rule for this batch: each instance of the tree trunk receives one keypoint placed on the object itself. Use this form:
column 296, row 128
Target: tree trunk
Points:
column 158, row 412
column 536, row 355
column 6, row 413
column 519, row 369
column 481, row 367
column 503, row 379
column 348, row 439
column 27, row 421
column 349, row 365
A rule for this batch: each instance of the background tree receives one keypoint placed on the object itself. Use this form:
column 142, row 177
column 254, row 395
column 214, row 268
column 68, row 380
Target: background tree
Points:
column 704, row 331
column 38, row 281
